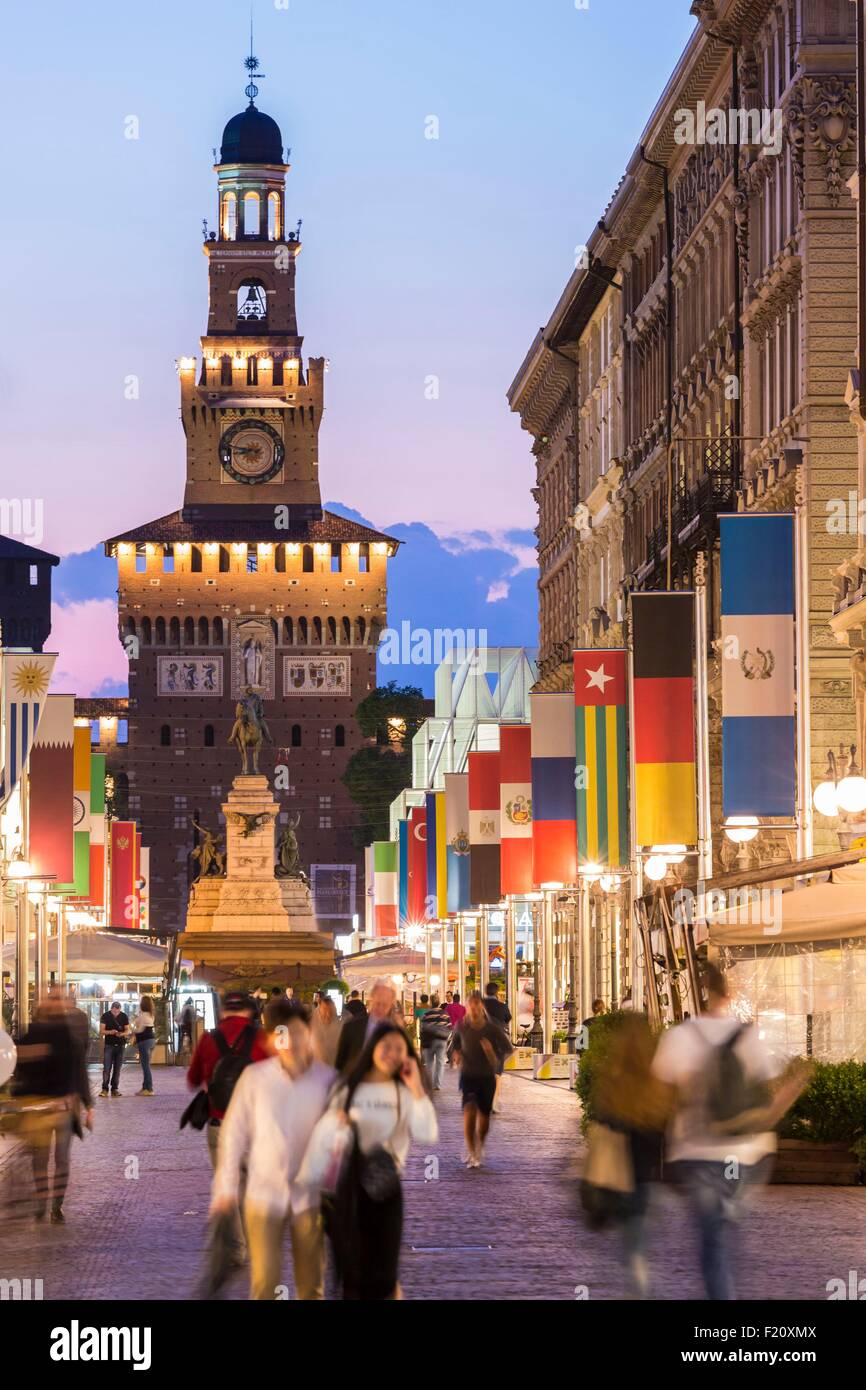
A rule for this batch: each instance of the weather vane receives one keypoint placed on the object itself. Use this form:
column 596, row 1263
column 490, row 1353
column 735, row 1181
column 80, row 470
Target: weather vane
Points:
column 252, row 66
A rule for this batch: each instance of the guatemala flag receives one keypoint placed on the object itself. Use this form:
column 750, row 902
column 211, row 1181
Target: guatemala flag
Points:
column 757, row 652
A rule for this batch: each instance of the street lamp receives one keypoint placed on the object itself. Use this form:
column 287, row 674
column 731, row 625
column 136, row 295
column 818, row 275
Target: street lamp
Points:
column 655, row 868
column 741, row 829
column 844, row 786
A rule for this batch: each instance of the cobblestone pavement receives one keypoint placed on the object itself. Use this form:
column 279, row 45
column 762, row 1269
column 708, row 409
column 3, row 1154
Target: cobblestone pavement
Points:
column 141, row 1237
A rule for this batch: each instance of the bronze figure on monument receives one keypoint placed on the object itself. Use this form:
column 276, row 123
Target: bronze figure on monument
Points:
column 288, row 855
column 250, row 729
column 209, row 854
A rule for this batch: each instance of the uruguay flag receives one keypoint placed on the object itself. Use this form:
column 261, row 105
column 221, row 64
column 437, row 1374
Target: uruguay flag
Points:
column 757, row 653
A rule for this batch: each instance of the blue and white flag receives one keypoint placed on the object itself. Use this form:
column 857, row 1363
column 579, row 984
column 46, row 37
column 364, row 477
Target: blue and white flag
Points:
column 25, row 678
column 758, row 685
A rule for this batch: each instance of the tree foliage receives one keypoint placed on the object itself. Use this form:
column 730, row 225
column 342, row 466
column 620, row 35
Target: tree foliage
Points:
column 392, row 713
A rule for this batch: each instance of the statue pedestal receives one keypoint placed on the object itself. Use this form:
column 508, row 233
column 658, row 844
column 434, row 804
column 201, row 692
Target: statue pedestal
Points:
column 251, row 918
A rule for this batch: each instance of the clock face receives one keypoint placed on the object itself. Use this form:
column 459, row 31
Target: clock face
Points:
column 251, row 452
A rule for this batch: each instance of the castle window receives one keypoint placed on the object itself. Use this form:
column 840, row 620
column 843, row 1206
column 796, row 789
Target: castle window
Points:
column 279, row 559
column 302, row 632
column 288, row 633
column 203, row 634
column 252, row 559
column 274, row 221
column 218, row 638
column 252, row 302
column 347, row 631
column 25, row 632
column 332, row 631
column 174, row 632
column 168, row 559
column 159, row 632
column 34, row 575
column 165, row 736
column 252, row 371
column 360, row 631
column 278, row 372
column 140, row 558
column 317, row 631
column 130, row 627
column 252, row 210
column 195, row 560
column 336, row 558
column 364, row 558
column 94, row 733
column 340, row 736
column 308, row 562
column 208, row 736
column 189, row 631
column 296, row 735
column 225, row 371
column 12, row 632
column 230, row 217
column 225, row 560
column 145, row 631
column 325, row 822
column 123, row 731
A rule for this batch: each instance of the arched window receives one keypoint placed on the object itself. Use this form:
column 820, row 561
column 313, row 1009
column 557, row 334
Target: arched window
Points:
column 159, row 632
column 274, row 219
column 288, row 632
column 174, row 632
column 375, row 630
column 189, row 631
column 340, row 736
column 225, row 560
column 252, row 210
column 25, row 632
column 332, row 631
column 145, row 631
column 218, row 639
column 203, row 632
column 302, row 632
column 296, row 735
column 165, row 736
column 252, row 302
column 347, row 631
column 208, row 736
column 279, row 559
column 195, row 560
column 361, row 630
column 130, row 627
column 317, row 631
column 307, row 565
column 230, row 217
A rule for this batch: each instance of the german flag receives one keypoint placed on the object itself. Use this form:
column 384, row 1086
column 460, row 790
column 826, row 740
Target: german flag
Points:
column 663, row 644
column 600, row 694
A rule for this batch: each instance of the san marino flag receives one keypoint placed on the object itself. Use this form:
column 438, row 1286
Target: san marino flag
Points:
column 757, row 651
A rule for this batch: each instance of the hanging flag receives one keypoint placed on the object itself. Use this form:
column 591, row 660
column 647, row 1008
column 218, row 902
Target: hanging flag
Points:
column 484, row 839
column 122, row 873
column 51, row 791
column 457, row 841
column 601, row 755
column 81, row 771
column 417, row 906
column 97, row 830
column 437, row 880
column 144, row 892
column 25, row 678
column 385, row 872
column 403, row 866
column 759, row 739
column 663, row 644
column 515, row 807
column 554, row 810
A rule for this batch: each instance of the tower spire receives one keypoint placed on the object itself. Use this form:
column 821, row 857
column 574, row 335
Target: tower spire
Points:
column 252, row 66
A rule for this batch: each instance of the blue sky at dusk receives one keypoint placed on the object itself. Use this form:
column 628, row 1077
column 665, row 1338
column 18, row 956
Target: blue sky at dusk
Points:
column 420, row 257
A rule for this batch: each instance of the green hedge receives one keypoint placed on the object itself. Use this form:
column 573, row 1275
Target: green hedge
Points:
column 832, row 1109
column 599, row 1033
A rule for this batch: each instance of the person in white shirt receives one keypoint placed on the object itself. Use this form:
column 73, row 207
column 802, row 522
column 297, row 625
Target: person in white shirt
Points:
column 703, row 1058
column 373, row 1118
column 273, row 1112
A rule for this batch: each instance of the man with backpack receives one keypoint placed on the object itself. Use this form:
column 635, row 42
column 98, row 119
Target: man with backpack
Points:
column 721, row 1136
column 435, row 1037
column 217, row 1063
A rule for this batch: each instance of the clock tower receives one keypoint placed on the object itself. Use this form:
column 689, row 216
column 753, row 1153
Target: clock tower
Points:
column 250, row 582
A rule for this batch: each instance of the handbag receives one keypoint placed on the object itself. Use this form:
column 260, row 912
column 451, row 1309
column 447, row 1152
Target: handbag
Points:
column 197, row 1113
column 607, row 1189
column 379, row 1174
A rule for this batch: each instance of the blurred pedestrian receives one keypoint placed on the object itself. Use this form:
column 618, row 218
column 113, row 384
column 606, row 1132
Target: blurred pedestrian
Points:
column 455, row 1010
column 598, row 1008
column 114, row 1031
column 435, row 1037
column 721, row 1136
column 480, row 1045
column 144, row 1029
column 356, row 1032
column 373, row 1117
column 355, row 1006
column 51, row 1081
column 498, row 1010
column 187, row 1024
column 267, row 1127
column 326, row 1029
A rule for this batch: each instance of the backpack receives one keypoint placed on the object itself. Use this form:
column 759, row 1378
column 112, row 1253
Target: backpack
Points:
column 234, row 1058
column 728, row 1090
column 435, row 1029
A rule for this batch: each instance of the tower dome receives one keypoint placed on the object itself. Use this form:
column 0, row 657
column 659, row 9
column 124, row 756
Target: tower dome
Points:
column 252, row 137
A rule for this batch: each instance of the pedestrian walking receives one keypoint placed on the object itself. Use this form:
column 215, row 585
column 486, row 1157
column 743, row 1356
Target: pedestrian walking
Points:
column 455, row 1010
column 435, row 1037
column 498, row 1010
column 325, row 1029
column 721, row 1135
column 355, row 1006
column 373, row 1117
column 187, row 1024
column 356, row 1032
column 144, row 1029
column 270, row 1120
column 479, row 1044
column 114, row 1031
column 219, row 1059
column 51, row 1081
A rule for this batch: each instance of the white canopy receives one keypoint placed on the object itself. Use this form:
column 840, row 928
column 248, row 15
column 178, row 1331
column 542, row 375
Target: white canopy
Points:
column 90, row 952
column 823, row 912
column 361, row 971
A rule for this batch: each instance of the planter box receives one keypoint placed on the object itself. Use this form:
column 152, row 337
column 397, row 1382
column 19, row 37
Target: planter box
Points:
column 804, row 1161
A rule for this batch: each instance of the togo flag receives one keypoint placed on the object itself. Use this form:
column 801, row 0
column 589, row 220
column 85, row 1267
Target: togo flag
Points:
column 600, row 695
column 758, row 721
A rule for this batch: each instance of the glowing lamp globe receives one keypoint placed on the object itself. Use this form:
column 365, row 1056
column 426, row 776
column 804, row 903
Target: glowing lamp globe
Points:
column 655, row 868
column 851, row 794
column 674, row 854
column 18, row 868
column 741, row 829
column 825, row 799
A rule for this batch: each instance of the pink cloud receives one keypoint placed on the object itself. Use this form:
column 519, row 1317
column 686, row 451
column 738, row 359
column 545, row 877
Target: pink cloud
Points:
column 90, row 655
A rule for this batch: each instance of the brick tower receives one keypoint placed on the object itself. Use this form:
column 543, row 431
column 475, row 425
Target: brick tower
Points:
column 250, row 582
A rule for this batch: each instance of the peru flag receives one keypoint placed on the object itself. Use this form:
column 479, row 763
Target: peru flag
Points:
column 515, row 807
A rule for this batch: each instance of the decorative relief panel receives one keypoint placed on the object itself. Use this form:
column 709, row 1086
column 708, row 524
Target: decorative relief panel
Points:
column 313, row 675
column 195, row 675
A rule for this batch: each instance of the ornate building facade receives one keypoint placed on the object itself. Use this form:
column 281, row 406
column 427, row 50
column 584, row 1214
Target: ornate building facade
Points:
column 698, row 358
column 250, row 582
